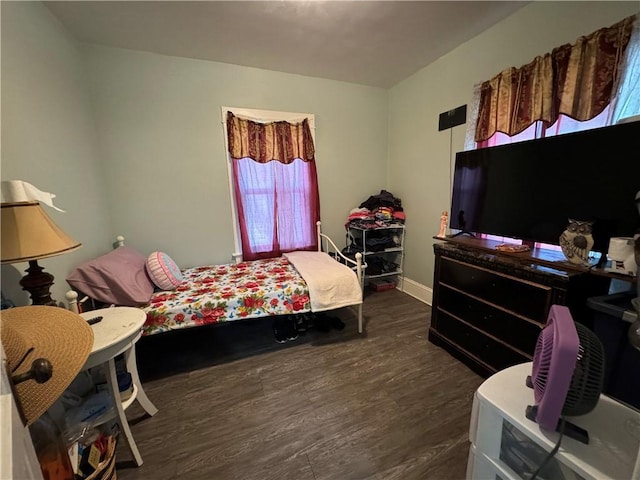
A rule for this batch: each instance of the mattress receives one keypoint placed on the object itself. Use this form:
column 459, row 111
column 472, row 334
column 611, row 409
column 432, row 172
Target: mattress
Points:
column 224, row 293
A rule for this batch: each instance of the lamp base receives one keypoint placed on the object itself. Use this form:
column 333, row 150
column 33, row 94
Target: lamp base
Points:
column 37, row 283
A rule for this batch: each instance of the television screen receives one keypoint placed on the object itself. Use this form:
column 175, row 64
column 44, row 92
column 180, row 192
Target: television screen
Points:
column 529, row 190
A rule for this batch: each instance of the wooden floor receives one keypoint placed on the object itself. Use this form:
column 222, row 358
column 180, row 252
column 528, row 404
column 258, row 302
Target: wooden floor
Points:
column 234, row 404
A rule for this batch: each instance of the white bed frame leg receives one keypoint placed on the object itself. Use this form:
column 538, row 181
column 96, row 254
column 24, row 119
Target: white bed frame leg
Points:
column 72, row 301
column 347, row 261
column 318, row 234
column 361, row 280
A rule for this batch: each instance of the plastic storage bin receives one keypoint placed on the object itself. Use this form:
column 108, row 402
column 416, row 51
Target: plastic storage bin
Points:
column 612, row 317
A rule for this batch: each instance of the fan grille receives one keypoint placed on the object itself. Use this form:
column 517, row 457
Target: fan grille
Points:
column 588, row 376
column 542, row 354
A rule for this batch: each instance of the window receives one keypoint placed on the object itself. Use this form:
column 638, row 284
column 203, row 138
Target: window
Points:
column 564, row 124
column 275, row 203
column 515, row 96
column 274, row 189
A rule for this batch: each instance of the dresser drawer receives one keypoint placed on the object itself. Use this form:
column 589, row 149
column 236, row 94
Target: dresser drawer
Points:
column 515, row 331
column 491, row 352
column 528, row 299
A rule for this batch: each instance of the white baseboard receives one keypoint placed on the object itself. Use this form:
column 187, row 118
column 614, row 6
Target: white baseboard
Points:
column 417, row 290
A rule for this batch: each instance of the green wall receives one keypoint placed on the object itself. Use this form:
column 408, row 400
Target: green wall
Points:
column 48, row 136
column 161, row 136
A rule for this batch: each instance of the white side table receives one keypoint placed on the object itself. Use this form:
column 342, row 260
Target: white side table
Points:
column 118, row 332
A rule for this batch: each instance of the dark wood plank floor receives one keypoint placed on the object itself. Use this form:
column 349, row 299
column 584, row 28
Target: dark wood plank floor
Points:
column 234, row 404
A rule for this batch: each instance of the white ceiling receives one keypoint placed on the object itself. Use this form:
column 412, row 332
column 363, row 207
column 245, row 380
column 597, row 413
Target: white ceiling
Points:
column 377, row 43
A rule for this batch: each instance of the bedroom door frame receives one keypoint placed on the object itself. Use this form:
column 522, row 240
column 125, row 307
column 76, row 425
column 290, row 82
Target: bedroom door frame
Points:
column 261, row 116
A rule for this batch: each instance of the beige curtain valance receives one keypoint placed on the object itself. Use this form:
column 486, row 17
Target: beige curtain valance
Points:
column 264, row 142
column 573, row 80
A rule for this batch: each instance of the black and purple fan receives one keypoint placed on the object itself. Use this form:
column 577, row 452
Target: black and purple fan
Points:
column 567, row 375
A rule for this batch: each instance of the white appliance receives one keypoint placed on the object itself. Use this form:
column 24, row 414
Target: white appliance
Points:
column 505, row 445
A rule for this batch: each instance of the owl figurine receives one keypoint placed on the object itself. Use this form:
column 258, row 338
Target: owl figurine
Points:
column 576, row 241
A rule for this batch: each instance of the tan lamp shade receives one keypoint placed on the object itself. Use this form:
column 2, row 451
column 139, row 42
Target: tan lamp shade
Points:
column 28, row 233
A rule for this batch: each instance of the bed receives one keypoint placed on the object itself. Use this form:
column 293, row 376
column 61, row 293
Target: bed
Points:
column 295, row 283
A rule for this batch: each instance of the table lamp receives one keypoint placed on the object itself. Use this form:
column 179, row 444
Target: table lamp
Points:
column 29, row 234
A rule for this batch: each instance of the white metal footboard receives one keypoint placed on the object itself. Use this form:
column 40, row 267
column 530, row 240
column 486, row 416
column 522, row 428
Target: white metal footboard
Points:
column 325, row 244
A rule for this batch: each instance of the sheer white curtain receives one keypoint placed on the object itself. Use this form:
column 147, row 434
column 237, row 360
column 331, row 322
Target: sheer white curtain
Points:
column 626, row 103
column 277, row 203
column 472, row 119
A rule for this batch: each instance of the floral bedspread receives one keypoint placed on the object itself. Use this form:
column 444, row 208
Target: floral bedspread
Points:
column 222, row 293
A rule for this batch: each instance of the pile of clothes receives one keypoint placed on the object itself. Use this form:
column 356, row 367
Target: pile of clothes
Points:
column 377, row 211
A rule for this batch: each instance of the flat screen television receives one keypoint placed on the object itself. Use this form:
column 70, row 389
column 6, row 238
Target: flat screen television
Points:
column 529, row 190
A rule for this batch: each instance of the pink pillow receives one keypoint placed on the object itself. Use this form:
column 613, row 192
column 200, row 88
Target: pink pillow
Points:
column 118, row 277
column 163, row 271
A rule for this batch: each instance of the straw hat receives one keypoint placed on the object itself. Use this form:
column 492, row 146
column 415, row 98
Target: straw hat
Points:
column 60, row 336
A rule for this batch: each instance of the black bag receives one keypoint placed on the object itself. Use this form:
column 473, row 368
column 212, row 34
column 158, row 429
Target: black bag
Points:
column 351, row 249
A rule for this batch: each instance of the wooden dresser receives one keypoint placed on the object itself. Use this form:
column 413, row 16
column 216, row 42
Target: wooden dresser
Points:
column 489, row 308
